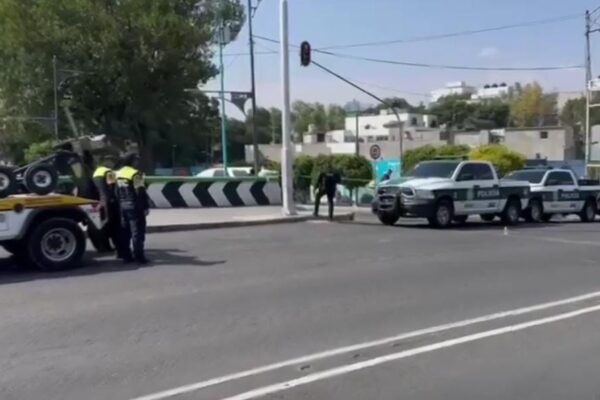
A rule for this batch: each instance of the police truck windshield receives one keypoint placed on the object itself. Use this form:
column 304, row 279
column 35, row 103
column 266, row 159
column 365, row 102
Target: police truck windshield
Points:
column 529, row 176
column 434, row 169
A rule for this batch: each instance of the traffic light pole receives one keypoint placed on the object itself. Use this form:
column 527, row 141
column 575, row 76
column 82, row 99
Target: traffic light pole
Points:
column 289, row 208
column 253, row 89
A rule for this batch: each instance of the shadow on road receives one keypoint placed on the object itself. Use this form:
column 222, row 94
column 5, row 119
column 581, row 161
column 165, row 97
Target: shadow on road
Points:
column 94, row 264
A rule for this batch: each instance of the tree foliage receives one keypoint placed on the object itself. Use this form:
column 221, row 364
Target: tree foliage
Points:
column 504, row 160
column 458, row 114
column 532, row 107
column 135, row 59
column 305, row 115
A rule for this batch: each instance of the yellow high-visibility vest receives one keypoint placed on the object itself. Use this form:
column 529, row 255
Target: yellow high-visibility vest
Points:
column 131, row 176
column 101, row 172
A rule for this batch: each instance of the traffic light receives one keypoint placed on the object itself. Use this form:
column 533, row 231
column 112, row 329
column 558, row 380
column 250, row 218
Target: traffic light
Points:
column 305, row 55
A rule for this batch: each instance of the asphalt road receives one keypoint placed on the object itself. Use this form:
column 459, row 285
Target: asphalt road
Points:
column 215, row 303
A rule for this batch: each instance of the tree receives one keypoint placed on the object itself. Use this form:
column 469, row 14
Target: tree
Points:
column 356, row 171
column 136, row 59
column 452, row 111
column 504, row 160
column 263, row 126
column 275, row 125
column 532, row 108
column 336, row 117
column 38, row 150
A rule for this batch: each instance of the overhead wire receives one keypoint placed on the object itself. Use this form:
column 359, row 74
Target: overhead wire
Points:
column 433, row 66
column 456, row 34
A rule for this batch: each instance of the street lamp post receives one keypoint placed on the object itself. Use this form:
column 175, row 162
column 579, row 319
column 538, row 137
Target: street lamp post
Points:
column 289, row 207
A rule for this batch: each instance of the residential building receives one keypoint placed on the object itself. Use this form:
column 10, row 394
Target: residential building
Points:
column 491, row 91
column 372, row 128
column 451, row 89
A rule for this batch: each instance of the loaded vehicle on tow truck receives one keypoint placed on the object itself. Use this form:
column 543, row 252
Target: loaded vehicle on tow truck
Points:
column 449, row 190
column 558, row 191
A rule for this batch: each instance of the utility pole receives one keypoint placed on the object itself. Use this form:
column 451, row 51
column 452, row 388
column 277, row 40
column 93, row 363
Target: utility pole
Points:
column 253, row 89
column 222, row 96
column 588, row 78
column 55, row 79
column 289, row 208
column 357, row 118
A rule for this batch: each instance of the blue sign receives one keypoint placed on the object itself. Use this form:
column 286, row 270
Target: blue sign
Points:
column 383, row 166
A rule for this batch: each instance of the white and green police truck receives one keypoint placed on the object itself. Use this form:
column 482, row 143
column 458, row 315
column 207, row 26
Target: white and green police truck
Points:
column 446, row 191
column 558, row 191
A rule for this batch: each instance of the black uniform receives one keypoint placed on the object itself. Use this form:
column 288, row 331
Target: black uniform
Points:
column 326, row 185
column 105, row 181
column 134, row 206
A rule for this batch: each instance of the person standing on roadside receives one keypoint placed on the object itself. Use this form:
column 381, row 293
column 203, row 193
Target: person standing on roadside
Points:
column 134, row 206
column 327, row 182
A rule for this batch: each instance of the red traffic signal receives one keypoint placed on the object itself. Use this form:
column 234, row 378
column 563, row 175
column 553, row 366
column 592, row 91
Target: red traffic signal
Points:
column 305, row 54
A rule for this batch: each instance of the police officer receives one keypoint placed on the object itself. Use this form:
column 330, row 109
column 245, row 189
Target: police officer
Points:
column 105, row 180
column 326, row 185
column 134, row 207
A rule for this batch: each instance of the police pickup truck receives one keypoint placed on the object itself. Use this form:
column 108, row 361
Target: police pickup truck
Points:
column 558, row 191
column 446, row 191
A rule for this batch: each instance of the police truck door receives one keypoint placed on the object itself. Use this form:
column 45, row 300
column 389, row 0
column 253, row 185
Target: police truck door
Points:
column 479, row 187
column 565, row 193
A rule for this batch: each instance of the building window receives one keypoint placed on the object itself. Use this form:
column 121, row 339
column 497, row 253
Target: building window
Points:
column 413, row 121
column 543, row 135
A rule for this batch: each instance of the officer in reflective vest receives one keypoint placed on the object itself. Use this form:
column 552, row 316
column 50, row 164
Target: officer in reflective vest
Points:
column 134, row 205
column 105, row 180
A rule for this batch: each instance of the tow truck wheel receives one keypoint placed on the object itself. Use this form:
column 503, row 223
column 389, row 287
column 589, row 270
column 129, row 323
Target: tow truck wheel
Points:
column 8, row 182
column 588, row 214
column 56, row 244
column 534, row 212
column 388, row 218
column 443, row 214
column 41, row 179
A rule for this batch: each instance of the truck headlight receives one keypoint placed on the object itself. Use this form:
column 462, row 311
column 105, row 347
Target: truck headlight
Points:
column 424, row 194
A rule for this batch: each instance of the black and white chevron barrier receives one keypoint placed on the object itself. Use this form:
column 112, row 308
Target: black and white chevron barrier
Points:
column 217, row 193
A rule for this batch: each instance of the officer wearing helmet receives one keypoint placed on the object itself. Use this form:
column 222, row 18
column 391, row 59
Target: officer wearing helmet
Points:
column 134, row 207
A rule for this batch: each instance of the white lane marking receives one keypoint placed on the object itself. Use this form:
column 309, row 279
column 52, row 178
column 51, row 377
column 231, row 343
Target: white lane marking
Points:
column 331, row 373
column 348, row 349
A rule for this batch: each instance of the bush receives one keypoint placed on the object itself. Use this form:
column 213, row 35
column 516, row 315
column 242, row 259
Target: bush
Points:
column 413, row 157
column 504, row 160
column 35, row 151
column 356, row 171
column 303, row 168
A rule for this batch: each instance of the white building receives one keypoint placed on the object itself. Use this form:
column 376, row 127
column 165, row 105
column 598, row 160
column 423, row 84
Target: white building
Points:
column 372, row 128
column 452, row 88
column 493, row 91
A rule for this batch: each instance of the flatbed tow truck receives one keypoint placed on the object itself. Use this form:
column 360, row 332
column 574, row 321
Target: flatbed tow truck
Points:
column 40, row 227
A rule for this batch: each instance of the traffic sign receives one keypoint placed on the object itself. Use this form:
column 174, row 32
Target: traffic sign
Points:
column 375, row 152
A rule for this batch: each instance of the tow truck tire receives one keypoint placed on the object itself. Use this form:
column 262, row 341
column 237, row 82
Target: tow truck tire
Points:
column 8, row 182
column 41, row 179
column 388, row 218
column 588, row 214
column 56, row 244
column 512, row 212
column 534, row 212
column 443, row 214
column 488, row 217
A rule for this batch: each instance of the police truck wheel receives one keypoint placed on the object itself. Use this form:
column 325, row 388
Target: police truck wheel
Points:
column 512, row 212
column 588, row 214
column 487, row 217
column 8, row 182
column 41, row 179
column 56, row 244
column 534, row 212
column 388, row 218
column 443, row 214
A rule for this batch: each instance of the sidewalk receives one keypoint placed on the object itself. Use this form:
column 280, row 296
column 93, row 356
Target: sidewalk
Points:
column 183, row 219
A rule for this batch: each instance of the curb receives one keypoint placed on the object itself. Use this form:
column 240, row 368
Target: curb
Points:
column 238, row 224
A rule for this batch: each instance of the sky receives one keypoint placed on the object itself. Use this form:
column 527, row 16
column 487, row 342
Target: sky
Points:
column 340, row 22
